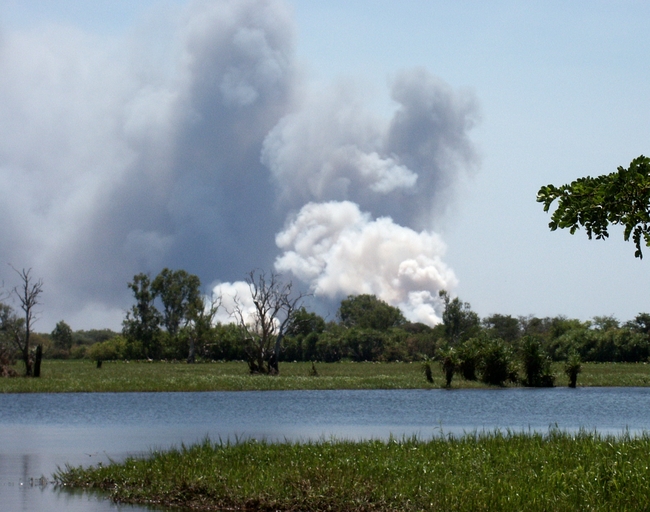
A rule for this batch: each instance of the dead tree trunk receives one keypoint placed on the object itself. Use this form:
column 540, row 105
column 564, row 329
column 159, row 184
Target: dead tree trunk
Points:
column 28, row 293
column 37, row 360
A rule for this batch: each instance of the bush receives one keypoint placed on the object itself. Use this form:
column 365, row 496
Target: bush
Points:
column 572, row 368
column 364, row 344
column 536, row 364
column 109, row 350
column 469, row 356
column 7, row 360
column 496, row 365
column 428, row 374
column 420, row 341
column 449, row 363
column 330, row 347
column 78, row 352
column 224, row 344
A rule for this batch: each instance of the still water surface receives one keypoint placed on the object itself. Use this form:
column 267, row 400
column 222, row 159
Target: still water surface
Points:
column 39, row 432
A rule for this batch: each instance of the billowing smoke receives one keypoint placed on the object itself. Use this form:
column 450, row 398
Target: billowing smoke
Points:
column 125, row 156
column 114, row 162
column 400, row 171
column 405, row 167
column 340, row 250
column 233, row 296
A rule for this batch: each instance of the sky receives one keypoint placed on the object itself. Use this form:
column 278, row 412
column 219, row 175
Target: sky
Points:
column 384, row 147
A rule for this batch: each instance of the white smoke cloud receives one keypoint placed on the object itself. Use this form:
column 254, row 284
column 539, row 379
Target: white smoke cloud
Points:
column 234, row 295
column 340, row 250
column 188, row 149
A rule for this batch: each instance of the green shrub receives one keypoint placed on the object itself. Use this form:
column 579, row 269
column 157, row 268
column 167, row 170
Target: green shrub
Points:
column 109, row 350
column 469, row 356
column 536, row 364
column 449, row 363
column 330, row 347
column 428, row 374
column 78, row 352
column 364, row 344
column 572, row 368
column 496, row 364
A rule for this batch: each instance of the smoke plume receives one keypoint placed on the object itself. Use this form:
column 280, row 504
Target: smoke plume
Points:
column 193, row 149
column 340, row 250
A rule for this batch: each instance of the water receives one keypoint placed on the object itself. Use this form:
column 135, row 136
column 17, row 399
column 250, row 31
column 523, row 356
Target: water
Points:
column 39, row 432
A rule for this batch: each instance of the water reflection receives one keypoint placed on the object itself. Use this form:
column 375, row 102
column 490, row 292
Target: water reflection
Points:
column 42, row 431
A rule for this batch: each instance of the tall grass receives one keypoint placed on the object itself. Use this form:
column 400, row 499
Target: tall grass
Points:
column 489, row 471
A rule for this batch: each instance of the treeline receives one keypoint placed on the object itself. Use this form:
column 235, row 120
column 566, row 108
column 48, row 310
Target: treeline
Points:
column 172, row 320
column 368, row 329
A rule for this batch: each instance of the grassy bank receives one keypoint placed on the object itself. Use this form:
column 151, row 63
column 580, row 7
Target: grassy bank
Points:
column 493, row 471
column 83, row 376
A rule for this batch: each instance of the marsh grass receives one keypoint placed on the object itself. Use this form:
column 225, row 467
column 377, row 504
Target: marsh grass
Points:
column 487, row 471
column 120, row 376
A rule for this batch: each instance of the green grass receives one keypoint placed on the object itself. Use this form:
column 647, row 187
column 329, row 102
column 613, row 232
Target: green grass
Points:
column 83, row 376
column 492, row 471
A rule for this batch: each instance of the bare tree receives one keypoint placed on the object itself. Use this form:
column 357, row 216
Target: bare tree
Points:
column 263, row 330
column 28, row 297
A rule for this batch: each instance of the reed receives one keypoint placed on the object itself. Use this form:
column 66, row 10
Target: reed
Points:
column 485, row 471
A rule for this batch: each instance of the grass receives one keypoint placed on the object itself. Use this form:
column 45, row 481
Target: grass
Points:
column 83, row 376
column 491, row 471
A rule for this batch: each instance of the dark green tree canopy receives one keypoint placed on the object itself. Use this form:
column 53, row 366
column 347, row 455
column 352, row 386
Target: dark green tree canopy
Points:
column 641, row 323
column 459, row 321
column 304, row 322
column 180, row 293
column 62, row 335
column 503, row 326
column 142, row 321
column 622, row 197
column 369, row 312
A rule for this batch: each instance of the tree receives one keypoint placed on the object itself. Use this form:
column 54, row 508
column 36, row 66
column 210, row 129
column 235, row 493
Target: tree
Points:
column 200, row 321
column 496, row 363
column 27, row 292
column 7, row 350
column 503, row 326
column 459, row 320
column 303, row 323
column 622, row 197
column 180, row 295
column 62, row 336
column 572, row 368
column 449, row 362
column 469, row 356
column 302, row 334
column 364, row 344
column 536, row 364
column 641, row 323
column 183, row 306
column 369, row 312
column 142, row 321
column 274, row 305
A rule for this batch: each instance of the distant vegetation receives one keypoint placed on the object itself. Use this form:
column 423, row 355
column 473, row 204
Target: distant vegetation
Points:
column 171, row 321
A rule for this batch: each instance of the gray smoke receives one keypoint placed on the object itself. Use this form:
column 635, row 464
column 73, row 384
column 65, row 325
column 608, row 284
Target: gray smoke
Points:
column 341, row 159
column 109, row 167
column 125, row 156
column 404, row 167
